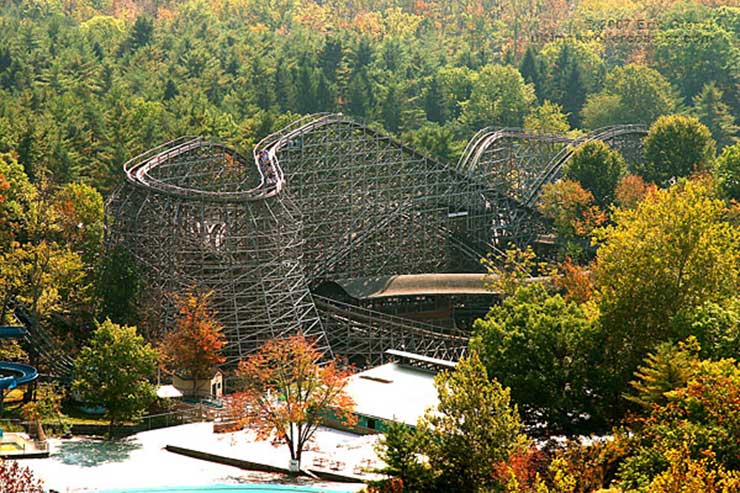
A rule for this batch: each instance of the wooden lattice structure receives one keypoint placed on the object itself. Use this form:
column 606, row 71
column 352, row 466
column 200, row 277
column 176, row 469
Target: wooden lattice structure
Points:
column 328, row 198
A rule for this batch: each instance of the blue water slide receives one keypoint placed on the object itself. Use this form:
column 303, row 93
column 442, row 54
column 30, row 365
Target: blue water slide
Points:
column 20, row 373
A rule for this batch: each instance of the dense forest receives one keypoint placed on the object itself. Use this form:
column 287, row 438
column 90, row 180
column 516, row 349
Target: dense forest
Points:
column 87, row 85
column 634, row 339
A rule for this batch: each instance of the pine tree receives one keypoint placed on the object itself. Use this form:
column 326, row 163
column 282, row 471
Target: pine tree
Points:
column 357, row 97
column 285, row 90
column 141, row 34
column 434, row 104
column 170, row 90
column 392, row 110
column 363, row 55
column 574, row 95
column 325, row 95
column 307, row 86
column 715, row 114
column 530, row 69
column 330, row 58
column 668, row 368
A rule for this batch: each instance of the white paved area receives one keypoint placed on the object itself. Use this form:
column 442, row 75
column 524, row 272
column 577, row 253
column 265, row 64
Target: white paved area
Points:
column 140, row 461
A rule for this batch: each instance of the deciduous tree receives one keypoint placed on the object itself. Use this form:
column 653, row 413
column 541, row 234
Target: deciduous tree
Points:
column 631, row 94
column 598, row 168
column 193, row 345
column 474, row 427
column 547, row 118
column 631, row 190
column 113, row 369
column 499, row 97
column 676, row 146
column 727, row 171
column 15, row 478
column 285, row 393
column 540, row 346
column 571, row 209
column 673, row 252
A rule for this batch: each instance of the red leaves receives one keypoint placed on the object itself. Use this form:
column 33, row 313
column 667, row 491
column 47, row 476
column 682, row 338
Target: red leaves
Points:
column 631, row 190
column 576, row 281
column 193, row 345
column 286, row 393
column 17, row 479
column 4, row 186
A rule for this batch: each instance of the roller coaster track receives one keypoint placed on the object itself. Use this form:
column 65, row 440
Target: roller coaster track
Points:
column 364, row 334
column 41, row 343
column 329, row 198
column 488, row 137
column 556, row 165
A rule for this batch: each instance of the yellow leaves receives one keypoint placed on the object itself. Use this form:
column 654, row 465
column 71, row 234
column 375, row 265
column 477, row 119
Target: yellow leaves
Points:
column 313, row 16
column 563, row 480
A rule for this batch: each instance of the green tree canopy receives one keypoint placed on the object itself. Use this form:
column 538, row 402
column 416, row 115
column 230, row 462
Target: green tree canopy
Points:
column 474, row 427
column 692, row 54
column 713, row 112
column 727, row 171
column 673, row 252
column 113, row 369
column 499, row 97
column 670, row 366
column 541, row 347
column 598, row 168
column 548, row 118
column 676, row 146
column 631, row 94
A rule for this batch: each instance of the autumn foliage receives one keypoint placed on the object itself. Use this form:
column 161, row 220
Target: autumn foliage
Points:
column 193, row 346
column 285, row 392
column 575, row 280
column 17, row 479
column 631, row 190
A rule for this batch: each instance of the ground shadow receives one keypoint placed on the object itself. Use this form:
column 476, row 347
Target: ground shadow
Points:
column 91, row 453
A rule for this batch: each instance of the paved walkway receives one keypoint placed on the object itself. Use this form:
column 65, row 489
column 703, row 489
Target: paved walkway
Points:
column 140, row 461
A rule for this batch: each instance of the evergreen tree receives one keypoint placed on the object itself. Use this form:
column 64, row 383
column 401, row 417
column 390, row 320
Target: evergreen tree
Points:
column 363, row 55
column 668, row 368
column 392, row 110
column 325, row 97
column 357, row 96
column 141, row 33
column 531, row 70
column 170, row 90
column 330, row 58
column 307, row 86
column 574, row 95
column 434, row 103
column 715, row 114
column 285, row 88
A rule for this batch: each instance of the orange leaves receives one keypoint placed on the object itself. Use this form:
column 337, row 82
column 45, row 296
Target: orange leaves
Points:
column 576, row 282
column 4, row 186
column 631, row 190
column 194, row 344
column 571, row 208
column 285, row 392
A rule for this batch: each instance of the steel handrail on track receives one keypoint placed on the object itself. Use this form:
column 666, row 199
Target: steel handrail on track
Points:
column 486, row 136
column 377, row 317
column 138, row 168
column 558, row 161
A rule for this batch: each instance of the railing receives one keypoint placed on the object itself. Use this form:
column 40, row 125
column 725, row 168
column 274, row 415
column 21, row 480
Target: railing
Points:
column 557, row 163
